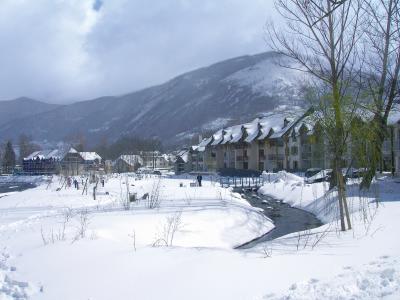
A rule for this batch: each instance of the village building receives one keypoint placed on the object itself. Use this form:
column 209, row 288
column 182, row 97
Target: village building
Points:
column 43, row 162
column 108, row 166
column 182, row 162
column 155, row 160
column 60, row 161
column 77, row 163
column 128, row 163
column 270, row 143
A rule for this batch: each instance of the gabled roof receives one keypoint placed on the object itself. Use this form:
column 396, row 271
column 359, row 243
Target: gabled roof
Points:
column 72, row 150
column 131, row 159
column 272, row 125
column 183, row 155
column 56, row 154
column 90, row 156
column 218, row 137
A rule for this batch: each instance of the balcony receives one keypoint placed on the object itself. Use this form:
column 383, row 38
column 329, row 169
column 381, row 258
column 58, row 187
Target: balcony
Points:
column 276, row 157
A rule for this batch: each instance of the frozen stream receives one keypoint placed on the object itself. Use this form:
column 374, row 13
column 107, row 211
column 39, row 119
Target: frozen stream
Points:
column 15, row 187
column 286, row 219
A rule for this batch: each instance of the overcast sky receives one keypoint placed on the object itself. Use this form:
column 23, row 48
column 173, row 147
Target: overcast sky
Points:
column 68, row 50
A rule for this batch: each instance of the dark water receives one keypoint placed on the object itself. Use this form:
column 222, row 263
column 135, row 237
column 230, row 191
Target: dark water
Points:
column 15, row 187
column 286, row 219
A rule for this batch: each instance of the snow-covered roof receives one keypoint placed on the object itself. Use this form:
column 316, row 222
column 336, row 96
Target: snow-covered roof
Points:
column 184, row 155
column 253, row 130
column 205, row 142
column 131, row 159
column 72, row 150
column 90, row 156
column 279, row 133
column 218, row 137
column 56, row 154
column 272, row 125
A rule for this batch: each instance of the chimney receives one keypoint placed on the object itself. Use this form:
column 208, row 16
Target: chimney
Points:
column 200, row 138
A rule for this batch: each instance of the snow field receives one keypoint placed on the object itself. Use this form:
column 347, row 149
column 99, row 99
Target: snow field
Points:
column 52, row 234
column 114, row 259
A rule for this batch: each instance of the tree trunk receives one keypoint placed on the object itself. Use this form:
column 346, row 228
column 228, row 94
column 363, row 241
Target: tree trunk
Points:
column 340, row 198
column 342, row 186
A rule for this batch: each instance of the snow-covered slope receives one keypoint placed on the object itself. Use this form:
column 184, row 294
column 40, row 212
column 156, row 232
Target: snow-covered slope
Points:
column 229, row 92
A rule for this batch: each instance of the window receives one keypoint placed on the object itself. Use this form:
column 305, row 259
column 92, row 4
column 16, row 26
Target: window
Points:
column 245, row 165
column 294, row 150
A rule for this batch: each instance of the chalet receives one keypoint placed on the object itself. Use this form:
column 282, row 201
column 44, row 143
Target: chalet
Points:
column 43, row 162
column 77, row 163
column 128, row 163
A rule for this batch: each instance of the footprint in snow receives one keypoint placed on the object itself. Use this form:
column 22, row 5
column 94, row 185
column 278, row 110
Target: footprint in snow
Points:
column 269, row 296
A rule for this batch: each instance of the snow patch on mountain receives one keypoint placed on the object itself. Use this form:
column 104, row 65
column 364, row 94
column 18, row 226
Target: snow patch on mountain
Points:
column 268, row 78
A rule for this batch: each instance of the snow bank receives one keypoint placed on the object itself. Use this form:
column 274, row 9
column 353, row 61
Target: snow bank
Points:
column 293, row 190
column 378, row 279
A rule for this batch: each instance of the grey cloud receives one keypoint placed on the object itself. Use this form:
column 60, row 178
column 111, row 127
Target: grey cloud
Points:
column 79, row 49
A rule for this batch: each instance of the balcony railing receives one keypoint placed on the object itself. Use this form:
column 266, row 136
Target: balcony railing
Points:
column 276, row 157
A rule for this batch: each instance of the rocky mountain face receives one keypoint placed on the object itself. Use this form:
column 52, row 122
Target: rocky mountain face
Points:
column 232, row 91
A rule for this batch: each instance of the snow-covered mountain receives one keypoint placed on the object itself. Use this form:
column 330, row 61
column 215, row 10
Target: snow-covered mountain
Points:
column 225, row 93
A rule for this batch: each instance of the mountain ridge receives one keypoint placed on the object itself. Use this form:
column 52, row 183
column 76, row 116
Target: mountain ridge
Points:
column 234, row 90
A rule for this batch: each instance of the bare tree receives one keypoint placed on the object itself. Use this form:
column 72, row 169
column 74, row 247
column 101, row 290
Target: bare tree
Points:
column 382, row 34
column 172, row 225
column 26, row 146
column 321, row 38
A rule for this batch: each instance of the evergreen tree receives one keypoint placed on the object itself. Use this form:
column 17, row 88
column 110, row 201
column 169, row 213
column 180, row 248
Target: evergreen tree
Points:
column 9, row 158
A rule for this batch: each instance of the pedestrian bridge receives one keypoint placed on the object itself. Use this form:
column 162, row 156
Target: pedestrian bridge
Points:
column 242, row 182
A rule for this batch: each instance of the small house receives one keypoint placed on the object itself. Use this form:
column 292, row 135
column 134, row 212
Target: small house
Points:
column 128, row 163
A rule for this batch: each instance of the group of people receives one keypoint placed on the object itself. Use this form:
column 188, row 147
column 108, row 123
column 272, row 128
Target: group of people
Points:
column 76, row 182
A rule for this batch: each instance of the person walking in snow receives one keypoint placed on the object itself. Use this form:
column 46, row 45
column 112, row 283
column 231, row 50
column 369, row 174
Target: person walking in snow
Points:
column 102, row 182
column 199, row 179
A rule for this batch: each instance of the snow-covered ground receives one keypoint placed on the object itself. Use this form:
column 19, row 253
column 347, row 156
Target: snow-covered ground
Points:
column 48, row 235
column 65, row 245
